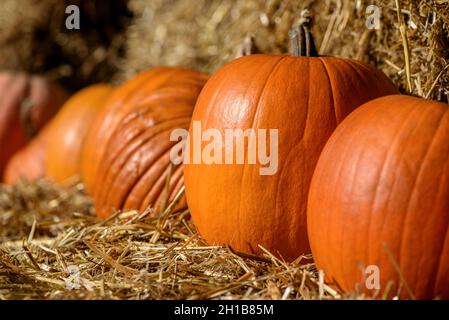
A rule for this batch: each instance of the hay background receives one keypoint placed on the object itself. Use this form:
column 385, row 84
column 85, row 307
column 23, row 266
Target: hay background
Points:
column 121, row 37
column 205, row 34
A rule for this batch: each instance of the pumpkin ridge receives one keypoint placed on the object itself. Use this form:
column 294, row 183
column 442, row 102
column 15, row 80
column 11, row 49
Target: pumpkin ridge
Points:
column 360, row 64
column 153, row 187
column 182, row 204
column 175, row 178
column 128, row 191
column 357, row 71
column 381, row 230
column 269, row 75
column 395, row 181
column 140, row 111
column 327, row 240
column 112, row 159
column 389, row 153
column 125, row 192
column 413, row 192
column 278, row 190
column 385, row 160
column 141, row 139
column 290, row 152
column 337, row 121
column 159, row 97
column 379, row 74
column 334, row 105
column 178, row 185
column 344, row 225
column 136, row 88
column 143, row 131
column 442, row 247
column 428, row 151
column 96, row 158
column 211, row 101
column 446, row 240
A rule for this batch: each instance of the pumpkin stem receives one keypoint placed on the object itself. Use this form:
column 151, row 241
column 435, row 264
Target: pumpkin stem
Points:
column 302, row 43
column 25, row 118
column 248, row 47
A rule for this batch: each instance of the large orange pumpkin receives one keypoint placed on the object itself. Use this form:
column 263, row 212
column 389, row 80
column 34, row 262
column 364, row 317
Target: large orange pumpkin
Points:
column 380, row 197
column 69, row 129
column 304, row 98
column 26, row 104
column 128, row 153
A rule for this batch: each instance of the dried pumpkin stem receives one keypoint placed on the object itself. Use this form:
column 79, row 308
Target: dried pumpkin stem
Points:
column 248, row 47
column 25, row 118
column 302, row 42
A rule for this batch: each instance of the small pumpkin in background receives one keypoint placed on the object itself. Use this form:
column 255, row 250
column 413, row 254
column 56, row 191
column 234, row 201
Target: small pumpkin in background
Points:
column 127, row 159
column 29, row 163
column 69, row 129
column 57, row 151
column 304, row 97
column 27, row 103
column 379, row 197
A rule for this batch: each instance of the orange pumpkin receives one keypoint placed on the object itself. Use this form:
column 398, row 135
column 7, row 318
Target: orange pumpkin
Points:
column 304, row 98
column 69, row 129
column 56, row 151
column 26, row 104
column 379, row 197
column 127, row 158
column 29, row 162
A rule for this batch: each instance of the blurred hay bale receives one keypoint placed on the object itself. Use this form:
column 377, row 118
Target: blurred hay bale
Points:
column 33, row 38
column 205, row 34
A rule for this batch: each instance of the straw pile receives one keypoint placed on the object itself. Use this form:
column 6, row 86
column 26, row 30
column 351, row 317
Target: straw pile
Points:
column 46, row 231
column 205, row 34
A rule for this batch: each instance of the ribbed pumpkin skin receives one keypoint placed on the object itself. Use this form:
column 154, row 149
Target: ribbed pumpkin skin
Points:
column 68, row 131
column 130, row 171
column 382, row 186
column 305, row 99
column 15, row 88
column 29, row 163
column 124, row 100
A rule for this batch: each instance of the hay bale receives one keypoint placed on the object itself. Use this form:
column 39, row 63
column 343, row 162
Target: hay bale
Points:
column 205, row 34
column 33, row 38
